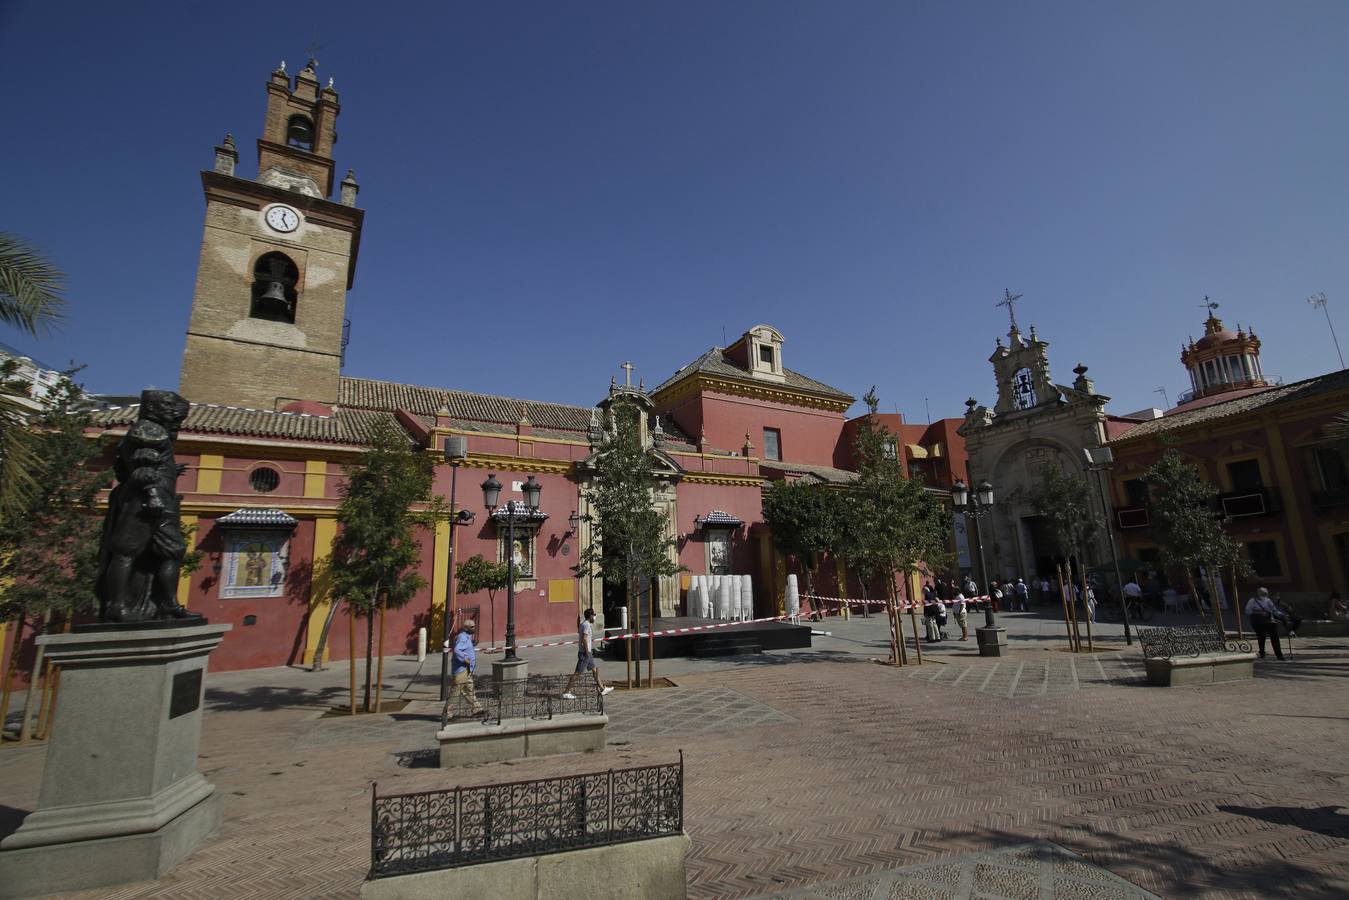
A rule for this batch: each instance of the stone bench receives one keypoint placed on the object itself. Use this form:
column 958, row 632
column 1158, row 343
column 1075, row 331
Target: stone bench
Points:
column 471, row 742
column 1194, row 654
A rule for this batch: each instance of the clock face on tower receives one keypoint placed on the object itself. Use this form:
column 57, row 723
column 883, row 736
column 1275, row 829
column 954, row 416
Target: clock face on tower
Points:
column 1023, row 389
column 282, row 219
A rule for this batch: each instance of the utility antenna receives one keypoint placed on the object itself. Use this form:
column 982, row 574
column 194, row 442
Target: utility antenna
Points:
column 1319, row 301
column 1165, row 397
column 927, row 410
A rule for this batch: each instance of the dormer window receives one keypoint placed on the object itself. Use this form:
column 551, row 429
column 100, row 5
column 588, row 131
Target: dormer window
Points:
column 300, row 133
column 766, row 355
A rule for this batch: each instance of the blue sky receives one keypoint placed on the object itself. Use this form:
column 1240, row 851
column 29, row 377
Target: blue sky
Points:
column 552, row 188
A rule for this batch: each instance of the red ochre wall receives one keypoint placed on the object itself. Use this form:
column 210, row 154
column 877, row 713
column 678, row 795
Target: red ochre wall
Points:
column 746, row 504
column 808, row 435
column 1304, row 535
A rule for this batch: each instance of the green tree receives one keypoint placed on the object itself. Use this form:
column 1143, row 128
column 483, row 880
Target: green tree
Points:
column 1185, row 526
column 630, row 542
column 49, row 540
column 477, row 574
column 31, row 301
column 386, row 498
column 1064, row 500
column 806, row 521
column 893, row 526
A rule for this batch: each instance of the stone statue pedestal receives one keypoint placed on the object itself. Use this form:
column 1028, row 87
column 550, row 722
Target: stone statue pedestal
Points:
column 510, row 678
column 121, row 797
column 991, row 641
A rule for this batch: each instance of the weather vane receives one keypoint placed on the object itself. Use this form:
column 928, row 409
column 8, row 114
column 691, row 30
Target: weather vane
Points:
column 1209, row 305
column 312, row 52
column 1009, row 301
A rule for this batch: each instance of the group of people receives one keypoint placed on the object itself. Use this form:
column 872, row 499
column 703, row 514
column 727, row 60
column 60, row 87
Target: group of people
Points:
column 464, row 663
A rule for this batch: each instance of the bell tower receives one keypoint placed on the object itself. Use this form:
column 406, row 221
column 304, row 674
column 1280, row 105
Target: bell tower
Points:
column 277, row 259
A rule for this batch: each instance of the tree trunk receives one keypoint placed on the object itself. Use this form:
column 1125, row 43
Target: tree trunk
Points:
column 369, row 657
column 317, row 664
column 651, row 630
column 11, row 670
column 26, row 724
column 1067, row 617
column 379, row 675
column 632, row 629
column 1213, row 598
column 351, row 652
column 1086, row 613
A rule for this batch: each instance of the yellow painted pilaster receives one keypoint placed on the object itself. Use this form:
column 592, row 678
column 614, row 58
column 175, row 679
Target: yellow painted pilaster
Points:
column 440, row 580
column 209, row 467
column 184, row 578
column 319, row 589
column 315, row 477
column 1293, row 511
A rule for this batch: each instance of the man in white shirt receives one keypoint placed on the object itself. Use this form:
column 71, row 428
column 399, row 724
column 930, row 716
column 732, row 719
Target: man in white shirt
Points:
column 585, row 656
column 1264, row 617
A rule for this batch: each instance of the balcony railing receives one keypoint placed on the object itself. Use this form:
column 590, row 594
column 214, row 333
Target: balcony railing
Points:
column 1245, row 504
column 1132, row 517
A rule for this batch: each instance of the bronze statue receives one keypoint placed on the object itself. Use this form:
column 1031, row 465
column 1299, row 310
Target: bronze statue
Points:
column 143, row 545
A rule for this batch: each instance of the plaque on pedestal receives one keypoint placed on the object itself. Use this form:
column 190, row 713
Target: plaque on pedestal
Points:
column 121, row 797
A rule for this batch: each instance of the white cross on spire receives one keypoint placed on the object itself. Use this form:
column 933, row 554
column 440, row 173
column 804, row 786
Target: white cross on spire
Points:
column 627, row 368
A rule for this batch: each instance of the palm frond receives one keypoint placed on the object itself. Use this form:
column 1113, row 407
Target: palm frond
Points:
column 30, row 287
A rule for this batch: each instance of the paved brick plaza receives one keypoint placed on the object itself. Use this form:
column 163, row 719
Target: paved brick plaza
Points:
column 822, row 774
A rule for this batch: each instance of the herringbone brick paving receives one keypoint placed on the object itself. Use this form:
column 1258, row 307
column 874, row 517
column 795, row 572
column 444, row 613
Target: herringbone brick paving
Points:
column 1224, row 791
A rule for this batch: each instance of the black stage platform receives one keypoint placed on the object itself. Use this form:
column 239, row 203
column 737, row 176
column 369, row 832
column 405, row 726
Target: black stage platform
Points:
column 728, row 640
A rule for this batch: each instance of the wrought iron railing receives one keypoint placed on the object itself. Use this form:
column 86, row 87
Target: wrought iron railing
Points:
column 540, row 697
column 1187, row 640
column 469, row 825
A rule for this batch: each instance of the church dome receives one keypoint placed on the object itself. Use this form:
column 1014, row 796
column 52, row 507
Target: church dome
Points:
column 1222, row 361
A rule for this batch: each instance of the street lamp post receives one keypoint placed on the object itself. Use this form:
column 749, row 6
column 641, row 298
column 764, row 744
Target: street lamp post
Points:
column 456, row 451
column 992, row 639
column 491, row 493
column 1099, row 460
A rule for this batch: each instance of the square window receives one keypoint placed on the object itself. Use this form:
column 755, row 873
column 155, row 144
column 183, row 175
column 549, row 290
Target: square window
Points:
column 772, row 444
column 1245, row 475
column 1330, row 467
column 1135, row 492
column 1264, row 556
column 766, row 354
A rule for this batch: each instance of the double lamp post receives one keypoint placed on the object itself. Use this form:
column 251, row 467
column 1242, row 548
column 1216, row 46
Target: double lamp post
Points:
column 992, row 639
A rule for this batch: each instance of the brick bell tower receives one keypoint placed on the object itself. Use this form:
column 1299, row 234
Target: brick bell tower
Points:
column 277, row 260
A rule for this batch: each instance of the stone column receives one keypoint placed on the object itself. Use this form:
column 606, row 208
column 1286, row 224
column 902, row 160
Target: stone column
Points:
column 121, row 797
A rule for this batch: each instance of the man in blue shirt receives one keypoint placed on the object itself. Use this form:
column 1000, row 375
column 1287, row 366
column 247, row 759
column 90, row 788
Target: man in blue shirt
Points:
column 464, row 661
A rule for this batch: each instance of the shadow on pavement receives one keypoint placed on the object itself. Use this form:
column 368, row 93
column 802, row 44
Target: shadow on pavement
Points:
column 272, row 698
column 1165, row 867
column 1327, row 820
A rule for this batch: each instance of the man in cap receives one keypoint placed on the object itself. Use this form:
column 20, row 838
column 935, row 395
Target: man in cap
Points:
column 461, row 670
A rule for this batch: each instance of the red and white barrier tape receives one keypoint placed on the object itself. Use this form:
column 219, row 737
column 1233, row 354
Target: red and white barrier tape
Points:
column 902, row 605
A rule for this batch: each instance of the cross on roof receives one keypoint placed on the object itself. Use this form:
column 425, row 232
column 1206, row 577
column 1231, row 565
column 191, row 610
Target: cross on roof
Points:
column 311, row 52
column 627, row 368
column 1009, row 301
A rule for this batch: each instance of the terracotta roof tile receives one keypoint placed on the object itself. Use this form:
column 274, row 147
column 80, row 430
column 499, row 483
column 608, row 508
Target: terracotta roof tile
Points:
column 1288, row 393
column 715, row 362
column 827, row 474
column 347, row 426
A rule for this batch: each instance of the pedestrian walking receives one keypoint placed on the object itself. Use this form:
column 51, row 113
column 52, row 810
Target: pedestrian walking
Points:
column 462, row 667
column 1264, row 617
column 1022, row 595
column 931, row 632
column 585, row 656
column 995, row 596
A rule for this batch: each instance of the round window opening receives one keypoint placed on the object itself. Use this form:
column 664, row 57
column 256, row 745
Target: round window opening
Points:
column 264, row 480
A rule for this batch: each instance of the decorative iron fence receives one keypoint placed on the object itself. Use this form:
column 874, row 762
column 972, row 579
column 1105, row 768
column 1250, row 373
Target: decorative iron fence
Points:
column 1187, row 640
column 540, row 697
column 469, row 825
